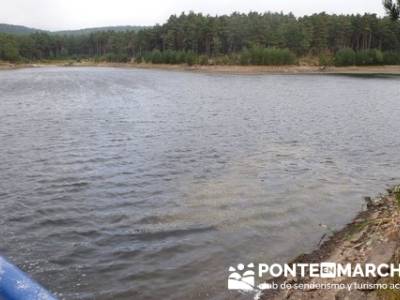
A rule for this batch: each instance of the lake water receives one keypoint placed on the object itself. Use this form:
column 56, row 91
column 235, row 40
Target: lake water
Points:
column 144, row 184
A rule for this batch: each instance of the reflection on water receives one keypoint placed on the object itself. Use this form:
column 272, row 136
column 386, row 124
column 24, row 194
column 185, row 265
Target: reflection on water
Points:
column 137, row 184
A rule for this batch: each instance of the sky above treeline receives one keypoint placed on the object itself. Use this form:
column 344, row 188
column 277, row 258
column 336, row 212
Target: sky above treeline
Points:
column 75, row 14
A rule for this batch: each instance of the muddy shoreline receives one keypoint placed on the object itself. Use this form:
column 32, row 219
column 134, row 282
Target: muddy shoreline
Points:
column 372, row 237
column 220, row 69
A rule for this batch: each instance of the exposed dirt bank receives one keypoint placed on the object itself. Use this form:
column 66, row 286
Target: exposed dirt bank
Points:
column 373, row 237
column 11, row 66
column 228, row 69
column 258, row 70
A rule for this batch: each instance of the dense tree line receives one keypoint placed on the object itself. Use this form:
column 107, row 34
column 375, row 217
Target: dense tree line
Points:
column 253, row 38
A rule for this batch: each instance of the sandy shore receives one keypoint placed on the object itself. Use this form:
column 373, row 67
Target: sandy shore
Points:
column 11, row 66
column 259, row 70
column 373, row 237
column 229, row 69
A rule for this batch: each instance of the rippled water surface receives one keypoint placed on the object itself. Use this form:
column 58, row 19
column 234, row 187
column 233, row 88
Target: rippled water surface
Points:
column 141, row 184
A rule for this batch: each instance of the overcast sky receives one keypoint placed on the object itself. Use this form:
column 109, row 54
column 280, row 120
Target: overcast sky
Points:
column 74, row 14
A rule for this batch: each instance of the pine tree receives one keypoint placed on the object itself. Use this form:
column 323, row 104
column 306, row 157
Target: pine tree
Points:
column 392, row 9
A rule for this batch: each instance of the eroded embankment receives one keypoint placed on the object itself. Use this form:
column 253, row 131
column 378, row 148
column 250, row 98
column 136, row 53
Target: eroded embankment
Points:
column 373, row 237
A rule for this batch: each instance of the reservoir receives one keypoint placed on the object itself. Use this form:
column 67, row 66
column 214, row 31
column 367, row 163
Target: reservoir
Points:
column 149, row 184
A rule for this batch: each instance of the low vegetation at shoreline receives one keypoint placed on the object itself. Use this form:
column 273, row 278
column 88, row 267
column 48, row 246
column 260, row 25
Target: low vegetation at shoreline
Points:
column 372, row 57
column 270, row 57
column 253, row 56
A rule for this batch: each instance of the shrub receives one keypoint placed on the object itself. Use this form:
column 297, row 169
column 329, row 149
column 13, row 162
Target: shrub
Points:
column 362, row 58
column 147, row 57
column 345, row 57
column 191, row 58
column 378, row 56
column 180, row 57
column 267, row 56
column 170, row 57
column 391, row 58
column 254, row 56
column 245, row 57
column 9, row 51
column 156, row 57
column 203, row 60
column 114, row 57
column 369, row 57
column 274, row 56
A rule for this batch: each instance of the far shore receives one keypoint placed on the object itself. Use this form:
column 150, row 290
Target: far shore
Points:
column 220, row 69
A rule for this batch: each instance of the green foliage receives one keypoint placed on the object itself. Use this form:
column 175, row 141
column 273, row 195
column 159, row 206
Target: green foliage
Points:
column 267, row 56
column 345, row 57
column 168, row 57
column 260, row 56
column 203, row 60
column 180, row 57
column 116, row 57
column 391, row 58
column 245, row 57
column 348, row 57
column 369, row 57
column 377, row 56
column 8, row 48
column 157, row 57
column 253, row 38
column 392, row 9
column 190, row 58
column 109, row 57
